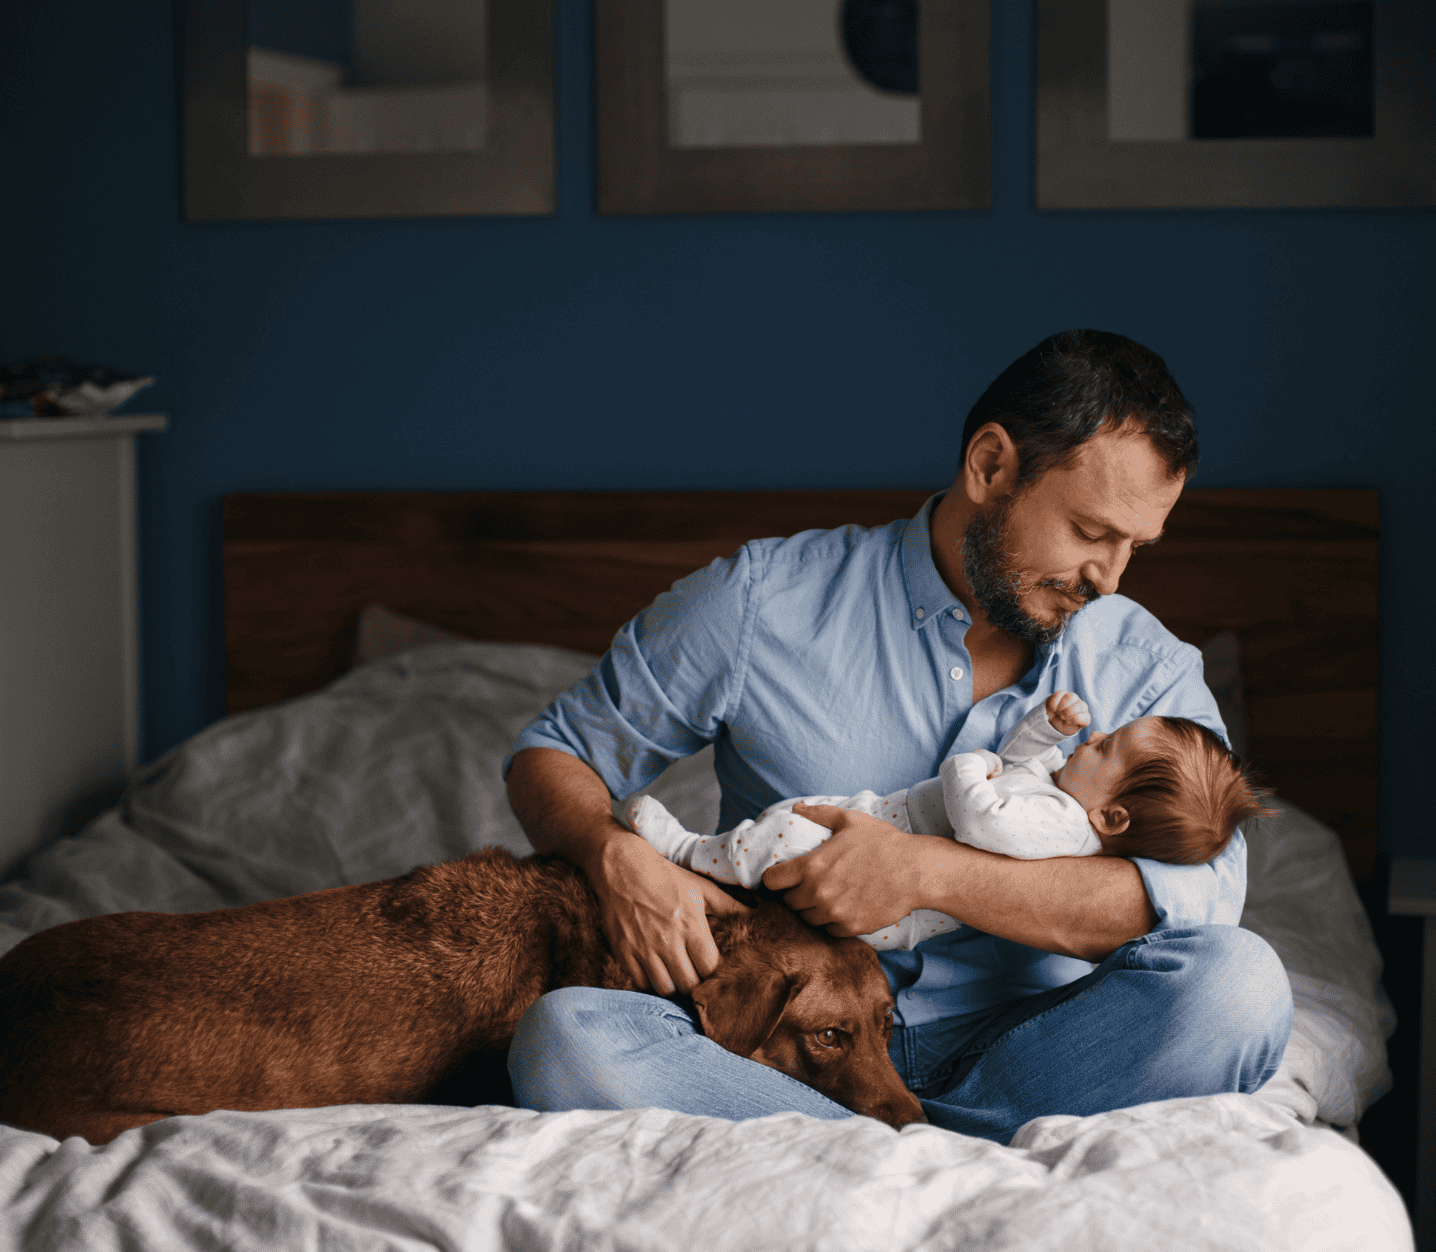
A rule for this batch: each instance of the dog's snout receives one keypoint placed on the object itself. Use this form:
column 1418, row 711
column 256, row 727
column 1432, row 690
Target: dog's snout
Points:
column 901, row 1108
column 910, row 1113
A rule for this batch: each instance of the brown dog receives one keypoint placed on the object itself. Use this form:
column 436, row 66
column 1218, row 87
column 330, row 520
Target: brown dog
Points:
column 387, row 993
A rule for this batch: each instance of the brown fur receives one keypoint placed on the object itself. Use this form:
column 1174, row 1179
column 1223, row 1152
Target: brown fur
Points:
column 816, row 1008
column 389, row 993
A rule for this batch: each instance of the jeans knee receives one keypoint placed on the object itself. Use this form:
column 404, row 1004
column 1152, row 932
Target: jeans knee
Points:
column 547, row 1035
column 1232, row 1003
column 584, row 1048
column 1241, row 975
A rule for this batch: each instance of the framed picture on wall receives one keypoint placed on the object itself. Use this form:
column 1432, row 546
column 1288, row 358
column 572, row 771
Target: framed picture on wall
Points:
column 752, row 106
column 1235, row 103
column 367, row 108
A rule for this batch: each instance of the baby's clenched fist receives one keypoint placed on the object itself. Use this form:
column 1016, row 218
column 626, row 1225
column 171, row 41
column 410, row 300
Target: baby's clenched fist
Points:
column 1067, row 712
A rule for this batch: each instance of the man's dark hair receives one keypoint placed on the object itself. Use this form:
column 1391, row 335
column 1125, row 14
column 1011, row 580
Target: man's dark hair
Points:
column 1056, row 397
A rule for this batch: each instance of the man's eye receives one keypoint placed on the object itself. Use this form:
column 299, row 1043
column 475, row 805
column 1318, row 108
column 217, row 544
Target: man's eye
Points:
column 828, row 1038
column 1082, row 534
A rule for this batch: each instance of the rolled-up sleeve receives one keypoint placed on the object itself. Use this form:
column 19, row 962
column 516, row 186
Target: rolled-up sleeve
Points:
column 1198, row 895
column 664, row 687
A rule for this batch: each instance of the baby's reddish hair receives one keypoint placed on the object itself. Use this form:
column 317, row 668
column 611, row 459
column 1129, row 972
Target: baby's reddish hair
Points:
column 1186, row 799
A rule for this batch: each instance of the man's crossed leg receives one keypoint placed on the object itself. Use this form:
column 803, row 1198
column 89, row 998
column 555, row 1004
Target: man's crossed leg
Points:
column 1183, row 1012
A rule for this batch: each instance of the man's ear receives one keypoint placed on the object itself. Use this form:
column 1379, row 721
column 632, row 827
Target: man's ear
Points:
column 740, row 1008
column 1109, row 819
column 989, row 470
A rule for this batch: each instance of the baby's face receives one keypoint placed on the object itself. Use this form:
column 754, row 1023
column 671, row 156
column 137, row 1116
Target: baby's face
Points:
column 1093, row 773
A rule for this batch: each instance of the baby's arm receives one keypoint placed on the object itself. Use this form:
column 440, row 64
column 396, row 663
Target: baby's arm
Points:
column 1024, row 825
column 738, row 856
column 1061, row 715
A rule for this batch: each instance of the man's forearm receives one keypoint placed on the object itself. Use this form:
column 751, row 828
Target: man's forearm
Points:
column 563, row 806
column 1081, row 906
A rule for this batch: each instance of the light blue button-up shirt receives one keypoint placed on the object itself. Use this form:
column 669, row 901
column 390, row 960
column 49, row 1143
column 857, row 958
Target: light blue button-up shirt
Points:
column 834, row 661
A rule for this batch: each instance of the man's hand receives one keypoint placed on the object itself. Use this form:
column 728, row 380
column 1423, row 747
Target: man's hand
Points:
column 864, row 878
column 655, row 915
column 869, row 874
column 1067, row 712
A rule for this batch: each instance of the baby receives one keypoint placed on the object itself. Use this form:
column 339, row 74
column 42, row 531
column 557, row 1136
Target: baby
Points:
column 1164, row 788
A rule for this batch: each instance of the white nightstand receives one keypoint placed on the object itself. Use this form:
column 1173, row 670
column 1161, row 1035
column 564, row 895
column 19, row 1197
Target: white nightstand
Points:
column 69, row 626
column 1413, row 892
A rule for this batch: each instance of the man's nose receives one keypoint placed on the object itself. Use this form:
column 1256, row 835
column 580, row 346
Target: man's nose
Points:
column 1105, row 572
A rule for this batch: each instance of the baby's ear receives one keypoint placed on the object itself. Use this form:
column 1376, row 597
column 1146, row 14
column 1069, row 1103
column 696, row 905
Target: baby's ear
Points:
column 1109, row 819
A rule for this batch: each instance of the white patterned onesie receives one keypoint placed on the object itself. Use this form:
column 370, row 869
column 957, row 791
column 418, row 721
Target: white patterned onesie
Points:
column 1020, row 812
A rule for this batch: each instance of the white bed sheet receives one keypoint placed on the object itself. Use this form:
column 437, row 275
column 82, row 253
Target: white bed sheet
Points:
column 1224, row 1172
column 396, row 764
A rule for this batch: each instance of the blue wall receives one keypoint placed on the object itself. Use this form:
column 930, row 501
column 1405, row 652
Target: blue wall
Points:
column 575, row 351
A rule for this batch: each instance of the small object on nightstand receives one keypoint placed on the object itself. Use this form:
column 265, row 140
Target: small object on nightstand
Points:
column 56, row 386
column 1413, row 892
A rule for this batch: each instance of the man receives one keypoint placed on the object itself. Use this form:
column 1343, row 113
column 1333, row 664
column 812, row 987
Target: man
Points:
column 866, row 657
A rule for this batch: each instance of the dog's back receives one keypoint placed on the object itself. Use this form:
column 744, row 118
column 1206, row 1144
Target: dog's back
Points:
column 366, row 994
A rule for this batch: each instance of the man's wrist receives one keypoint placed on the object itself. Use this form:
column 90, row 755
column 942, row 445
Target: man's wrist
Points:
column 605, row 849
column 936, row 868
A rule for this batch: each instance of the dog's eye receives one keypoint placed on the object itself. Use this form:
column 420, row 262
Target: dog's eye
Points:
column 828, row 1038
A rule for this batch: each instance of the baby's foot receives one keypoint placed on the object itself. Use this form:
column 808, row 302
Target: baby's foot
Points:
column 658, row 826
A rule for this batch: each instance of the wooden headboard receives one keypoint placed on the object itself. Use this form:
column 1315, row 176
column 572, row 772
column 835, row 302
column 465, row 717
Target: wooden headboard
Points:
column 1293, row 572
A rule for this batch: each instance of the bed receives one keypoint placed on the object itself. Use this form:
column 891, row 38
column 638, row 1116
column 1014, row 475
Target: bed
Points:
column 383, row 651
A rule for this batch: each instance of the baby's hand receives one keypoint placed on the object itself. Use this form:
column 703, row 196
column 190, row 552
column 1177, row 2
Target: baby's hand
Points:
column 1067, row 713
column 990, row 760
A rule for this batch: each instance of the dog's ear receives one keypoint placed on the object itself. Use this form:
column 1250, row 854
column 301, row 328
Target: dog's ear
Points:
column 740, row 1007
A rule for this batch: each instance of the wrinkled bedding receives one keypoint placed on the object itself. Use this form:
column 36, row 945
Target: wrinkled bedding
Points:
column 396, row 765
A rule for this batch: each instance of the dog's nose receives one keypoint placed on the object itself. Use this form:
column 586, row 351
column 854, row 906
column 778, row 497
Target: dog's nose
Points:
column 902, row 1111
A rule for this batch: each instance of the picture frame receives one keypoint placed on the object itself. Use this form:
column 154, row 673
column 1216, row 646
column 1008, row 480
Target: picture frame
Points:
column 640, row 171
column 512, row 173
column 1080, row 166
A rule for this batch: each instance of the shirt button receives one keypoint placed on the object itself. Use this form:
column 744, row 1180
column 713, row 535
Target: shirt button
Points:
column 957, row 613
column 955, row 671
column 920, row 615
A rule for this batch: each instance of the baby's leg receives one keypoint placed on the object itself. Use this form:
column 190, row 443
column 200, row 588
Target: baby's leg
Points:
column 736, row 856
column 907, row 932
column 661, row 829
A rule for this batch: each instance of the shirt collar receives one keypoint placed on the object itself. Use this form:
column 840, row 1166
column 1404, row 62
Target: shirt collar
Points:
column 927, row 595
column 1051, row 653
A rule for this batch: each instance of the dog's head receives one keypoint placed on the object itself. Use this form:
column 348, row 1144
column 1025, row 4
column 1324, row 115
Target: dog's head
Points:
column 813, row 1006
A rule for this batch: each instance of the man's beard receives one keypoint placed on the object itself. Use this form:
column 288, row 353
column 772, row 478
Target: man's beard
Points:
column 998, row 586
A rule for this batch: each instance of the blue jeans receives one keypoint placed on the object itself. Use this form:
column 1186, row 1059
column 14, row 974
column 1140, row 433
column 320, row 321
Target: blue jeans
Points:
column 1175, row 1013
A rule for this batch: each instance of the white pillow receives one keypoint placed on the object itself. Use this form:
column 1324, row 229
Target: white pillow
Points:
column 383, row 632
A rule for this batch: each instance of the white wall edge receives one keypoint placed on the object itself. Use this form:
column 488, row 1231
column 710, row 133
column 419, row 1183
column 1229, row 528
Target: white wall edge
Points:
column 32, row 428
